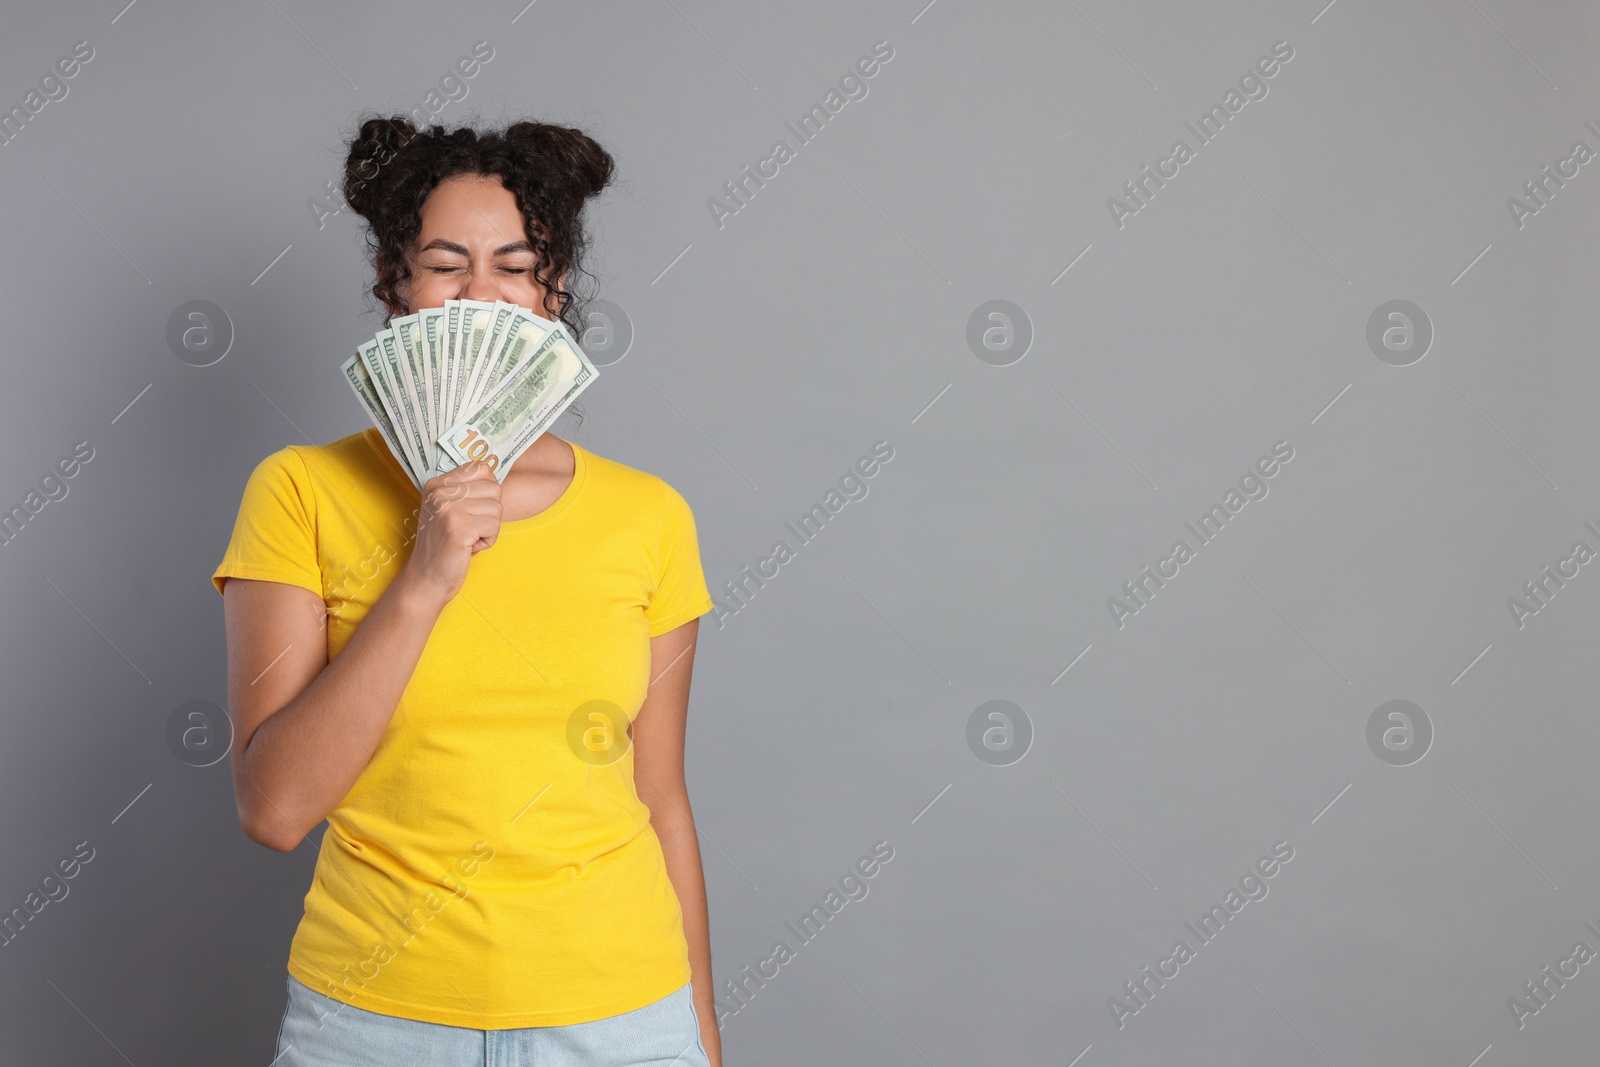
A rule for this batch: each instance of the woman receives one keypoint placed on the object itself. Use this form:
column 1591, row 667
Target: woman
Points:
column 482, row 686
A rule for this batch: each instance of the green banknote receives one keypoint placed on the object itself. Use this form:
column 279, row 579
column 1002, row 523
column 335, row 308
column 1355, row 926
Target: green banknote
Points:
column 496, row 374
column 522, row 405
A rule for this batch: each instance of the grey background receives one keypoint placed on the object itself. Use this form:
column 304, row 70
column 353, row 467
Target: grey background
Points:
column 832, row 711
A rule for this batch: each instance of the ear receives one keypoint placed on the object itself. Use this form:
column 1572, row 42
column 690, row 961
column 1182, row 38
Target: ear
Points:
column 403, row 287
column 560, row 287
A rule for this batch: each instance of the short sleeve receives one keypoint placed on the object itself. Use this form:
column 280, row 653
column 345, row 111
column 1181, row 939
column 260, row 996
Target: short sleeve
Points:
column 681, row 592
column 275, row 533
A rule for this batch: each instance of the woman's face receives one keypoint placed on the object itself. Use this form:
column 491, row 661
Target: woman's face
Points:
column 472, row 247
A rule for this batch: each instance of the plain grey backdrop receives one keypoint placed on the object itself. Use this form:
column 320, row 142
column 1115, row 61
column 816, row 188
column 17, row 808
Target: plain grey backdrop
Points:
column 1155, row 346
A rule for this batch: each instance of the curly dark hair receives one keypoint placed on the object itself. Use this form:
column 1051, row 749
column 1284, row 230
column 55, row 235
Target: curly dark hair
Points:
column 551, row 170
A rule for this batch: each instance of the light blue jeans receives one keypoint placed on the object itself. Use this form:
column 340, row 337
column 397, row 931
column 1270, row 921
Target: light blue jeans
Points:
column 318, row 1031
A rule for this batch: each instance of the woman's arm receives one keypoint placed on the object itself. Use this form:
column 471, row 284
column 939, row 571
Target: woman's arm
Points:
column 658, row 733
column 305, row 728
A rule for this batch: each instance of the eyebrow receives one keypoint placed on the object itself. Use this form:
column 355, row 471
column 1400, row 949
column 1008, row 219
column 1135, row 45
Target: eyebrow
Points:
column 461, row 250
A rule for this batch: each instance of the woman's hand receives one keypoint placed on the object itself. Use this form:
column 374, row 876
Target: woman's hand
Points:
column 459, row 517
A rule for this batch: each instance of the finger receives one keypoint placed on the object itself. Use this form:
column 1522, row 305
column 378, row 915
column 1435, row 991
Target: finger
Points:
column 467, row 489
column 466, row 471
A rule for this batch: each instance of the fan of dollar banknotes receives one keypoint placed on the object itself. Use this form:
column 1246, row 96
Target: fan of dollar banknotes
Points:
column 468, row 381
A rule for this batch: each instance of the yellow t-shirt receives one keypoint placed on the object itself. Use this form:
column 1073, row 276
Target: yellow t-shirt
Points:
column 493, row 866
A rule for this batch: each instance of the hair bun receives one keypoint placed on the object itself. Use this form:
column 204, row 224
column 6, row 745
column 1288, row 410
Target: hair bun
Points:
column 583, row 164
column 366, row 168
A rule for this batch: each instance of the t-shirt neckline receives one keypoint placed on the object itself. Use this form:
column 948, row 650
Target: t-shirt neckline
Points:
column 580, row 468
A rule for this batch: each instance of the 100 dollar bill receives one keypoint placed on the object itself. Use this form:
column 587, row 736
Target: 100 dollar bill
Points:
column 471, row 322
column 360, row 380
column 521, row 339
column 521, row 406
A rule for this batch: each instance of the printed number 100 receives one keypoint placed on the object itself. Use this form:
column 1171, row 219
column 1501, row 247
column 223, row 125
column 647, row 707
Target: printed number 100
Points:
column 477, row 447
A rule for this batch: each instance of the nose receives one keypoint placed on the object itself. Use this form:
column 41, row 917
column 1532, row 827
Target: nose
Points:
column 480, row 286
